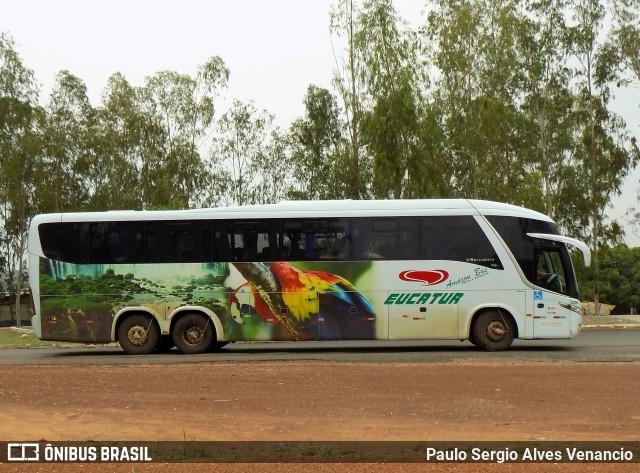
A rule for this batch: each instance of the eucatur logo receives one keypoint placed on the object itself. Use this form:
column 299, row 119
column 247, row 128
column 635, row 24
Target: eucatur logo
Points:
column 428, row 278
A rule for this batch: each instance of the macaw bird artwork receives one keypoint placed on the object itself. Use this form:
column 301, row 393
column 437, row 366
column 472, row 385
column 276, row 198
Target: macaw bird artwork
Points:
column 309, row 304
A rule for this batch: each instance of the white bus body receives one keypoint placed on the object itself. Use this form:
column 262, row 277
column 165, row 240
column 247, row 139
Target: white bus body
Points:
column 328, row 270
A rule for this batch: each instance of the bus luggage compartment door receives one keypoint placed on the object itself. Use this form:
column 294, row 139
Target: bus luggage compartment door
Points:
column 348, row 317
column 422, row 315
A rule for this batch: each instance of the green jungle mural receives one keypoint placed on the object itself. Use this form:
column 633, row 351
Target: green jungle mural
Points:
column 254, row 301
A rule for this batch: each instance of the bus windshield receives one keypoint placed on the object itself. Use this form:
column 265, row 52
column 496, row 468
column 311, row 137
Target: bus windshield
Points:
column 544, row 262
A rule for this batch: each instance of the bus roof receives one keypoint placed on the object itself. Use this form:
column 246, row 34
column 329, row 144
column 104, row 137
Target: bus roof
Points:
column 310, row 209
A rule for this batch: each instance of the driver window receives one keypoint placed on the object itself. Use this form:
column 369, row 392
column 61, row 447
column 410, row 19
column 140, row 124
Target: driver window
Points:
column 550, row 272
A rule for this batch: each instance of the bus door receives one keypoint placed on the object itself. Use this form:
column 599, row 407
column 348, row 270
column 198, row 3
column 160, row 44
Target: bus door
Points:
column 423, row 315
column 548, row 319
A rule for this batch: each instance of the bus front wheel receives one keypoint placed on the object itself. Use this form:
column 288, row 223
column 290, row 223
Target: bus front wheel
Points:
column 193, row 333
column 138, row 335
column 493, row 331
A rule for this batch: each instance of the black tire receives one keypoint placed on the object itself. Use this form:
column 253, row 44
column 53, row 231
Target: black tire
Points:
column 138, row 335
column 165, row 343
column 493, row 331
column 193, row 333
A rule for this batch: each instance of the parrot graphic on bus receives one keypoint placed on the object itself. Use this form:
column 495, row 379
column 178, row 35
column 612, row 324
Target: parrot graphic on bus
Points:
column 305, row 302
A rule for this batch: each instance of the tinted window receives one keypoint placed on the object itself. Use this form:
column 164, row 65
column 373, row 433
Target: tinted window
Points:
column 513, row 231
column 247, row 240
column 179, row 241
column 385, row 238
column 65, row 241
column 116, row 242
column 323, row 239
column 93, row 242
column 127, row 242
column 457, row 238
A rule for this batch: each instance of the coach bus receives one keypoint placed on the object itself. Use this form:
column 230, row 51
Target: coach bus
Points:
column 472, row 270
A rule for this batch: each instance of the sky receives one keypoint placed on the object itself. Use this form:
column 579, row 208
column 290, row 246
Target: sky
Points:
column 274, row 50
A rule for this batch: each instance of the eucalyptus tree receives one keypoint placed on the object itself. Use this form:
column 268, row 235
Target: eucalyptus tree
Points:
column 21, row 121
column 632, row 217
column 344, row 27
column 183, row 108
column 608, row 150
column 478, row 52
column 393, row 75
column 67, row 133
column 549, row 104
column 625, row 40
column 316, row 146
column 275, row 179
column 241, row 140
column 454, row 30
column 122, row 137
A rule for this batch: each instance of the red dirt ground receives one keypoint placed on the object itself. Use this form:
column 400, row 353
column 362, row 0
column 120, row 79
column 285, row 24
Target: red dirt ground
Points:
column 320, row 401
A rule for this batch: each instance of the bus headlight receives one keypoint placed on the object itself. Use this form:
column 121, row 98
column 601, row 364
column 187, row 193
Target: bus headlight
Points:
column 572, row 308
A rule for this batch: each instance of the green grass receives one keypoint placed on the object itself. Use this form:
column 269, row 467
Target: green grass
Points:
column 9, row 338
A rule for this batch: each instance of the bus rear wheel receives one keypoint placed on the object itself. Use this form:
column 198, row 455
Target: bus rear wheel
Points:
column 493, row 331
column 193, row 334
column 138, row 335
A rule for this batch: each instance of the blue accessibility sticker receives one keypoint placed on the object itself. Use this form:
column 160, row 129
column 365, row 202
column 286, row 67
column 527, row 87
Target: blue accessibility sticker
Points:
column 537, row 295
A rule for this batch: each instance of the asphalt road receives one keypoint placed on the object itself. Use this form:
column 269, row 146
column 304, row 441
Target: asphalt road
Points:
column 591, row 346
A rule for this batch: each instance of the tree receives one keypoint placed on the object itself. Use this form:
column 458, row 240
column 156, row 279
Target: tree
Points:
column 182, row 107
column 548, row 103
column 20, row 150
column 123, row 140
column 609, row 152
column 619, row 271
column 347, row 80
column 274, row 172
column 392, row 75
column 476, row 49
column 67, row 146
column 238, row 151
column 626, row 37
column 316, row 145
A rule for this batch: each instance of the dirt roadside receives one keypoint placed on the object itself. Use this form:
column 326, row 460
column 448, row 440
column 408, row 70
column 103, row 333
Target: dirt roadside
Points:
column 324, row 401
column 321, row 401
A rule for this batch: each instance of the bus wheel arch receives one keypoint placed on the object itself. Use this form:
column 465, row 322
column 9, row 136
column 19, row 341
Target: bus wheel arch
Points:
column 137, row 333
column 493, row 329
column 193, row 332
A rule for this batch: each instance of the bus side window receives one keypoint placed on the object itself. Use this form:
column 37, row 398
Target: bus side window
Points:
column 116, row 242
column 247, row 241
column 222, row 242
column 157, row 244
column 67, row 242
column 294, row 241
column 315, row 240
column 457, row 238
